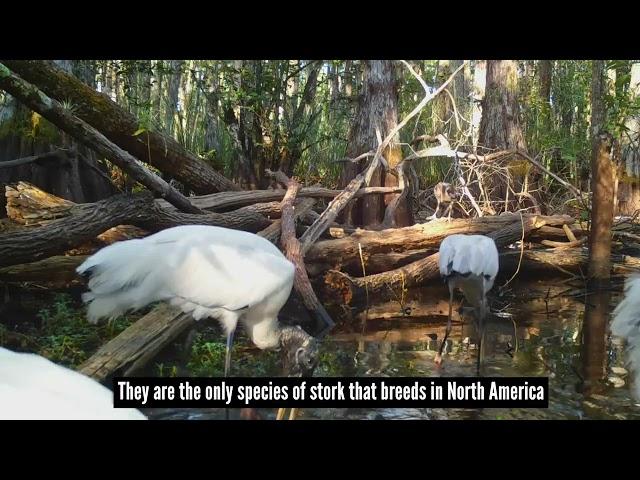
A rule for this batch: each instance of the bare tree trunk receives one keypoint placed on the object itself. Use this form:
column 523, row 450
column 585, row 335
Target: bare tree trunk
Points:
column 348, row 81
column 500, row 125
column 601, row 210
column 544, row 79
column 377, row 109
column 173, row 92
column 479, row 83
column 629, row 187
column 601, row 173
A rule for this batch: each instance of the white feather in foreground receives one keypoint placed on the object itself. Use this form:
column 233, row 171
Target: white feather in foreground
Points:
column 33, row 388
column 626, row 324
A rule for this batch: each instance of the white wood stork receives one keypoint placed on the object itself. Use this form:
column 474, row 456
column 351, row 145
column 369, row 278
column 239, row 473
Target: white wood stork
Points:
column 34, row 388
column 626, row 324
column 207, row 271
column 470, row 263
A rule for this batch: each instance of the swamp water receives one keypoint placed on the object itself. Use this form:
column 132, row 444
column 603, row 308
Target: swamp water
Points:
column 538, row 330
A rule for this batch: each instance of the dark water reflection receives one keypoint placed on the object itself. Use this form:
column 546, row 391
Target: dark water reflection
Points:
column 539, row 331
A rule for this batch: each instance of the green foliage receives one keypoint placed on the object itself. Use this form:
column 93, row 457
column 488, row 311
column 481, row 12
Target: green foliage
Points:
column 67, row 338
column 261, row 101
column 208, row 355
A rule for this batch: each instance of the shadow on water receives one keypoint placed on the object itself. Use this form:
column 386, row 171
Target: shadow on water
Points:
column 539, row 328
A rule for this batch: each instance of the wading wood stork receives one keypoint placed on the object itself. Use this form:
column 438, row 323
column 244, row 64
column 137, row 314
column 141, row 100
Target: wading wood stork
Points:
column 34, row 388
column 626, row 324
column 230, row 275
column 470, row 263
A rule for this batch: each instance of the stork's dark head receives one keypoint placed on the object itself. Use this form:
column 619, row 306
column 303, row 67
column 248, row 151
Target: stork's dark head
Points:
column 300, row 351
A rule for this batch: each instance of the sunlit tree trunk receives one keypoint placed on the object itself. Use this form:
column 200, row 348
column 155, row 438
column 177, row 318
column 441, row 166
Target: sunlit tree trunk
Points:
column 348, row 79
column 500, row 127
column 601, row 184
column 478, row 90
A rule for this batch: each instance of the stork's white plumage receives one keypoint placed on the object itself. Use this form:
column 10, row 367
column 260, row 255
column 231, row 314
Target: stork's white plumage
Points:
column 34, row 388
column 206, row 271
column 626, row 324
column 470, row 263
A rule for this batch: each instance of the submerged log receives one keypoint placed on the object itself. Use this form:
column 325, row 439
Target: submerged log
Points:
column 138, row 344
column 120, row 126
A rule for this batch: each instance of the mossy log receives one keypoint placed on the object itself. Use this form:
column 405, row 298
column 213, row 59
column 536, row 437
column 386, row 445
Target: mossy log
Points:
column 138, row 344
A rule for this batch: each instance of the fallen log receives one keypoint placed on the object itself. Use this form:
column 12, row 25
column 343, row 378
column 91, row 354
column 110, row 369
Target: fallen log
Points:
column 425, row 269
column 90, row 137
column 570, row 261
column 273, row 231
column 572, row 244
column 416, row 237
column 555, row 233
column 138, row 344
column 55, row 272
column 29, row 205
column 374, row 263
column 86, row 221
column 120, row 127
column 329, row 215
column 224, row 201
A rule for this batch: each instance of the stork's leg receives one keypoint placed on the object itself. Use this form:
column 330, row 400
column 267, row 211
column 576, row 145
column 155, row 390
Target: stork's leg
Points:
column 480, row 344
column 227, row 362
column 446, row 333
column 449, row 209
column 227, row 358
column 435, row 214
